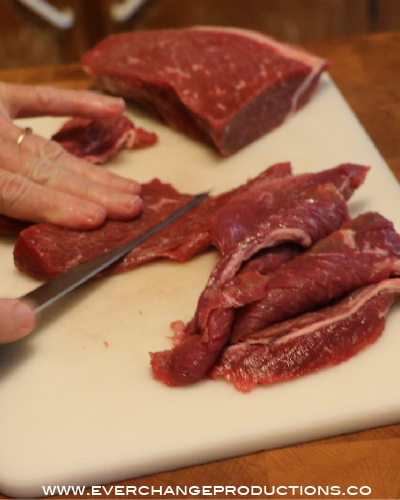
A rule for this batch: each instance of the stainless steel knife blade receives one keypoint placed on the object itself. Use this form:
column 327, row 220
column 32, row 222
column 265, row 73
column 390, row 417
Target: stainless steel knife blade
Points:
column 67, row 281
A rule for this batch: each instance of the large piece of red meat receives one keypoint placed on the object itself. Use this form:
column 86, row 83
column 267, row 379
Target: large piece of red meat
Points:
column 224, row 86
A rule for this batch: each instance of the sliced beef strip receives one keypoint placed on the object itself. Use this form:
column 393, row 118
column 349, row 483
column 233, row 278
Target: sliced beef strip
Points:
column 363, row 251
column 45, row 250
column 247, row 210
column 224, row 86
column 309, row 342
column 305, row 219
column 99, row 140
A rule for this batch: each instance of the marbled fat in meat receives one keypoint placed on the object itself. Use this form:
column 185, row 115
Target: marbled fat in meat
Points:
column 309, row 342
column 226, row 87
column 363, row 251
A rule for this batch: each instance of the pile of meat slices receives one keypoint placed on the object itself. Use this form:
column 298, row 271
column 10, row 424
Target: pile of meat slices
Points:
column 299, row 286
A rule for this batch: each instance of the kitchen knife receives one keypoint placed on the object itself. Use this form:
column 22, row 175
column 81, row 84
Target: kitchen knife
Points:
column 59, row 286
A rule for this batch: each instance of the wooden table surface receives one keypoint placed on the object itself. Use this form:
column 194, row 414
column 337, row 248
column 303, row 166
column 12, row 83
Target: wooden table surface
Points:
column 366, row 69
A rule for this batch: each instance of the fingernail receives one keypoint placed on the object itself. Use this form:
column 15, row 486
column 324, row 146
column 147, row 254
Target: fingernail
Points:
column 108, row 104
column 137, row 205
column 24, row 318
column 126, row 205
column 95, row 215
column 127, row 185
column 136, row 188
column 115, row 102
column 134, row 205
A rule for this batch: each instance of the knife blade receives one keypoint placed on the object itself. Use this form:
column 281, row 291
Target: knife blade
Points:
column 57, row 287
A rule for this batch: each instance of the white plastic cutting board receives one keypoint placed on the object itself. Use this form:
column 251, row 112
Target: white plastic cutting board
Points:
column 78, row 404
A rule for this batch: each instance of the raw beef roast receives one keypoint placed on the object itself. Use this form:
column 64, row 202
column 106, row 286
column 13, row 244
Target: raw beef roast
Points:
column 98, row 140
column 309, row 342
column 224, row 86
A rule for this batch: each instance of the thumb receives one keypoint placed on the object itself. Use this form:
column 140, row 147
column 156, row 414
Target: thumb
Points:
column 17, row 319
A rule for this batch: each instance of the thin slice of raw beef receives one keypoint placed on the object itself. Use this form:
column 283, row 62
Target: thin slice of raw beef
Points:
column 45, row 250
column 363, row 251
column 247, row 211
column 99, row 140
column 224, row 86
column 310, row 342
column 302, row 220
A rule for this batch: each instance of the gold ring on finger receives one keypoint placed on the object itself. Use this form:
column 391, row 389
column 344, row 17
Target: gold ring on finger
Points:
column 23, row 134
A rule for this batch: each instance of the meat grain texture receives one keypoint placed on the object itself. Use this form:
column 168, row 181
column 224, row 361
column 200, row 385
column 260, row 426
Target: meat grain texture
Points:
column 309, row 342
column 223, row 86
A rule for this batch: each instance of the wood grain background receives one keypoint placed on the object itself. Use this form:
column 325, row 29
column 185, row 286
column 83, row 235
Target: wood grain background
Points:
column 26, row 40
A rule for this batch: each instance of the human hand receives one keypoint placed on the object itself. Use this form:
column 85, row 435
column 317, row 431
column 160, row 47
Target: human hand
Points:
column 17, row 320
column 40, row 181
